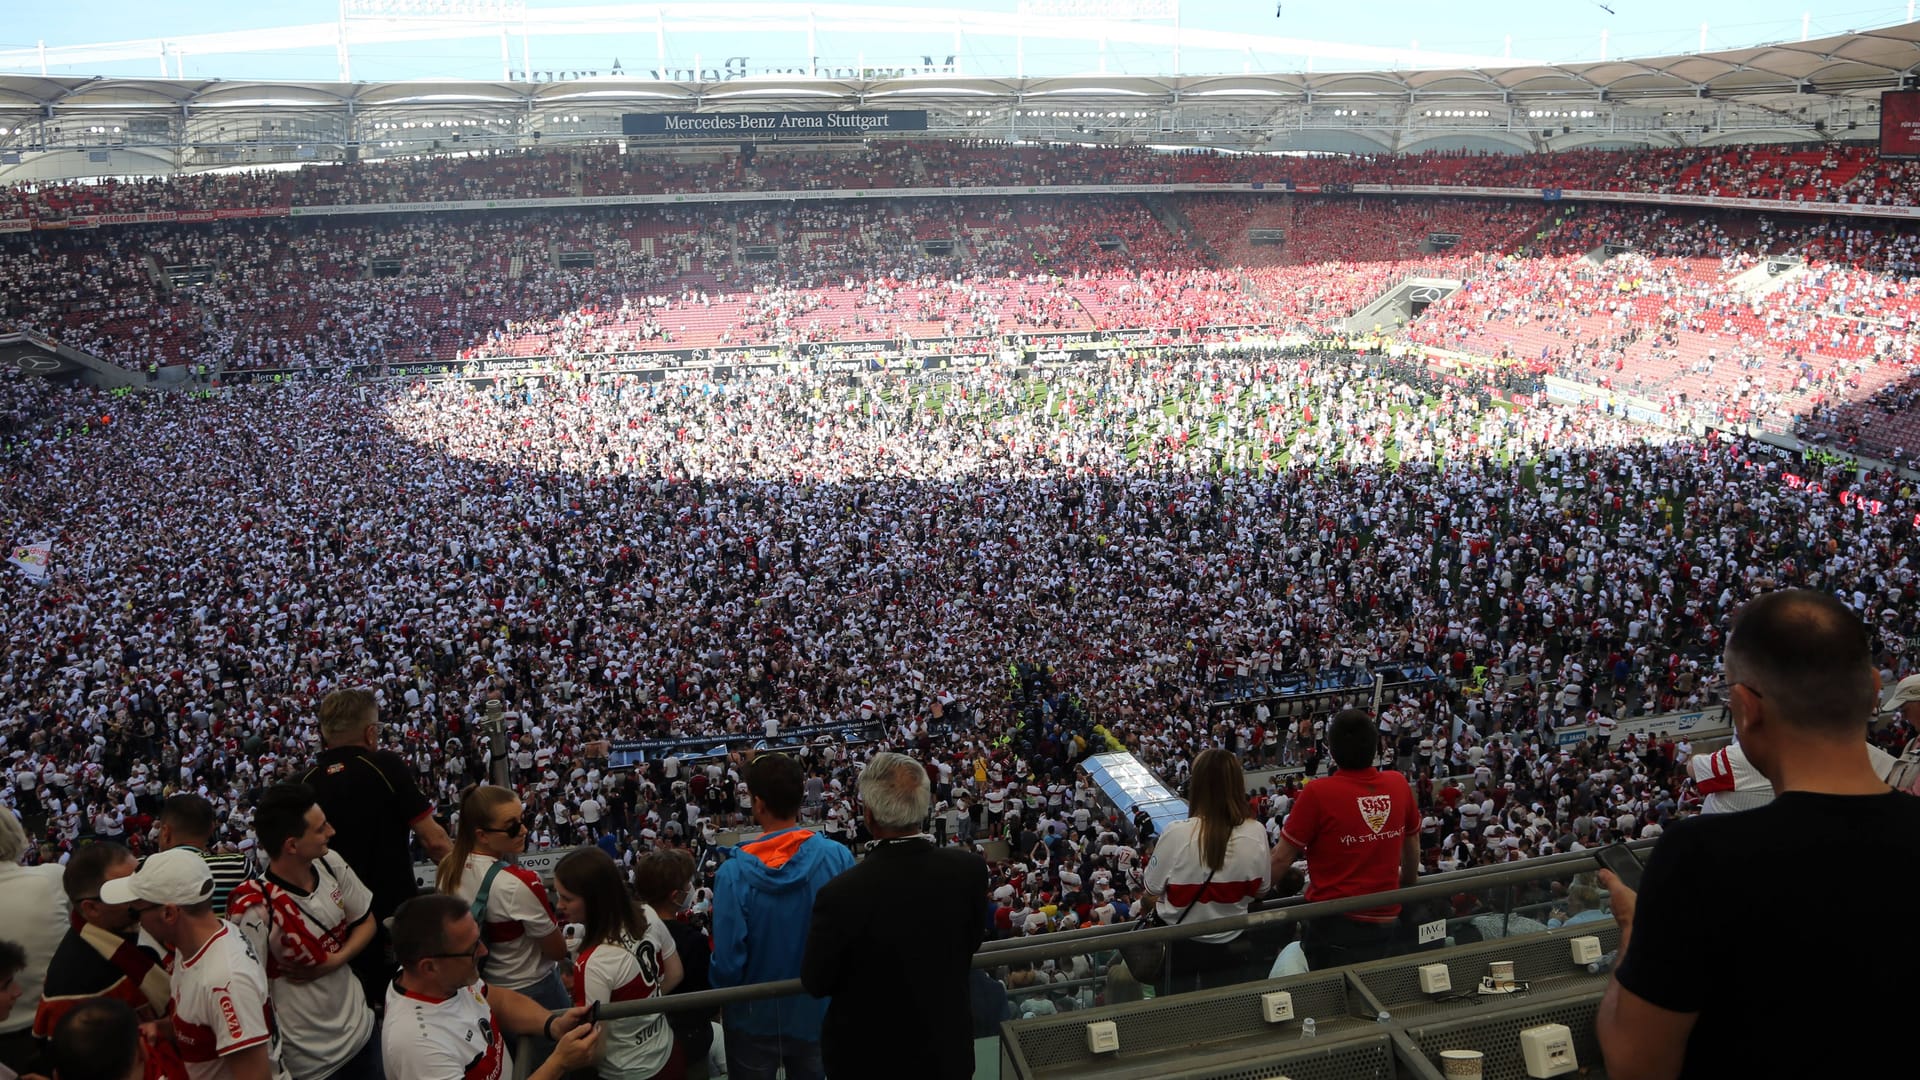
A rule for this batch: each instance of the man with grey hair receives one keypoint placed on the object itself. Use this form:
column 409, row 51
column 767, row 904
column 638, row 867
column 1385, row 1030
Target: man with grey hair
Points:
column 894, row 937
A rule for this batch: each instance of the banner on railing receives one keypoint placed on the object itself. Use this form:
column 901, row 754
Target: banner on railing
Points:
column 540, row 862
column 626, row 755
column 1710, row 723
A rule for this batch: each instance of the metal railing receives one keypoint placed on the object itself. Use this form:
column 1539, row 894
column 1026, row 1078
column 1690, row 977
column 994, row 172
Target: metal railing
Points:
column 1022, row 951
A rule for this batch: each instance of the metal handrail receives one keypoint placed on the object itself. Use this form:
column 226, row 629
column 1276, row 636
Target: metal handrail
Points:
column 1018, row 951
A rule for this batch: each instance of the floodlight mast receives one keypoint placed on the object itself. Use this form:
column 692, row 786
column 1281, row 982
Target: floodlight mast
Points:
column 502, row 13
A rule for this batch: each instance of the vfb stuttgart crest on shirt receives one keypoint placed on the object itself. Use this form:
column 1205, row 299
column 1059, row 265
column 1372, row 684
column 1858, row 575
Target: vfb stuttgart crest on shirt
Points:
column 1375, row 810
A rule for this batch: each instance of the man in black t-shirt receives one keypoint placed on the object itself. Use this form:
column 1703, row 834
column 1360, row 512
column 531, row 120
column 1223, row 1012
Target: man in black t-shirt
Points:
column 1763, row 943
column 373, row 804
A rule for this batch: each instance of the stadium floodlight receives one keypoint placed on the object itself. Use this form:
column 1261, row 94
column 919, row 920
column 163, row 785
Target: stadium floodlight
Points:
column 446, row 10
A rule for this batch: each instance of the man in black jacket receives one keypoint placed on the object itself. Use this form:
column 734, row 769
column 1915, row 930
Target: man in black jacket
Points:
column 369, row 796
column 893, row 938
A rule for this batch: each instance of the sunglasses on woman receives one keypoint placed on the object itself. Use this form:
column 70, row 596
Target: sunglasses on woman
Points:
column 514, row 828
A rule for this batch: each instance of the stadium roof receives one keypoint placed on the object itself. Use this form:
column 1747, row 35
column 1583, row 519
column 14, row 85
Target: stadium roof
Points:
column 1819, row 89
column 1854, row 64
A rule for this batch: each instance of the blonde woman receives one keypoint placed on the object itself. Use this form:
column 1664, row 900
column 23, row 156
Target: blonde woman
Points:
column 517, row 922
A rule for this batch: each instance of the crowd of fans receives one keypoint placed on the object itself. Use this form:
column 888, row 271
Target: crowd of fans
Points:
column 997, row 575
column 1677, row 325
column 1689, row 317
column 623, row 560
column 320, row 292
column 1850, row 173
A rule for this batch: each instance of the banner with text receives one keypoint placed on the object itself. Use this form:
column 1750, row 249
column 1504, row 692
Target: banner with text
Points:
column 777, row 124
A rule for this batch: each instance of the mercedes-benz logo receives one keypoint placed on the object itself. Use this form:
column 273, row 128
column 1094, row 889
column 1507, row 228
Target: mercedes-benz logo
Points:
column 37, row 362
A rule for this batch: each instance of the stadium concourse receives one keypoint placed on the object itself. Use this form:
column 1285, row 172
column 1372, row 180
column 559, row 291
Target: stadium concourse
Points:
column 623, row 550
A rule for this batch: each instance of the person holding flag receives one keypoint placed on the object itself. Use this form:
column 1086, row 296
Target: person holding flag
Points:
column 32, row 558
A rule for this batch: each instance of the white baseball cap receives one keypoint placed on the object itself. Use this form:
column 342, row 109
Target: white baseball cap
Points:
column 1907, row 690
column 177, row 876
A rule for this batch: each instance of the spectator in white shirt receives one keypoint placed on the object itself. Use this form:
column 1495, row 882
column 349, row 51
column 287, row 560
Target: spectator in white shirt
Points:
column 307, row 918
column 523, row 936
column 626, row 954
column 33, row 915
column 444, row 1022
column 1212, row 865
column 222, row 1016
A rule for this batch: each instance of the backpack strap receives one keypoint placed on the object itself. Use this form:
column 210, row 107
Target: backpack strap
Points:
column 479, row 905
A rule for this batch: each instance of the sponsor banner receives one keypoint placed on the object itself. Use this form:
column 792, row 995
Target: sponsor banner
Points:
column 627, row 755
column 540, row 862
column 842, row 364
column 777, row 124
column 16, row 225
column 1699, row 724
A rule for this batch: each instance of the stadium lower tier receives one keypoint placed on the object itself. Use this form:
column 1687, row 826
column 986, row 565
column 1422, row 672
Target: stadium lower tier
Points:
column 1723, row 318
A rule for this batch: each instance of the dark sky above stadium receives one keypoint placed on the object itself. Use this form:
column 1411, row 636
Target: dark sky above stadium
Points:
column 1568, row 30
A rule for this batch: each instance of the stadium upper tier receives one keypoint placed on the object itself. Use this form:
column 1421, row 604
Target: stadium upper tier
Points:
column 1804, row 173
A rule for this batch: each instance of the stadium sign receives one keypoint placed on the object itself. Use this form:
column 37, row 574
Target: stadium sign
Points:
column 732, row 124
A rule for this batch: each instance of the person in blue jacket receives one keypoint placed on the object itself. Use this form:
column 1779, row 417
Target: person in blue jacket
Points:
column 762, row 909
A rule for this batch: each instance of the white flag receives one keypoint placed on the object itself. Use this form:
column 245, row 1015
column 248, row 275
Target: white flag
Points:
column 31, row 558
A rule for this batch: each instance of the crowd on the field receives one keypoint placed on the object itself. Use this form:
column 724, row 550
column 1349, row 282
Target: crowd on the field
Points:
column 634, row 560
column 996, row 574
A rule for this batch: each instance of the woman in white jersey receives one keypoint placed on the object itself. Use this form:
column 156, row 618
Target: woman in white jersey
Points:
column 626, row 954
column 1212, row 865
column 518, row 924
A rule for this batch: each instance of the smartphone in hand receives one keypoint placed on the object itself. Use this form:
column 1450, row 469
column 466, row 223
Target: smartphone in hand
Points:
column 1624, row 863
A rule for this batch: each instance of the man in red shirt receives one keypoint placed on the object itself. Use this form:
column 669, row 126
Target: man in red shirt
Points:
column 1360, row 831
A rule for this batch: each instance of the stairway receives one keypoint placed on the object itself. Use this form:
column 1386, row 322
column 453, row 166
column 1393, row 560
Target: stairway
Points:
column 1177, row 222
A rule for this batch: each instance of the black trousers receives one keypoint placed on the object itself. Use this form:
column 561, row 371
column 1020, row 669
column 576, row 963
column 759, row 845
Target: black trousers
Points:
column 1197, row 965
column 374, row 967
column 1334, row 942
